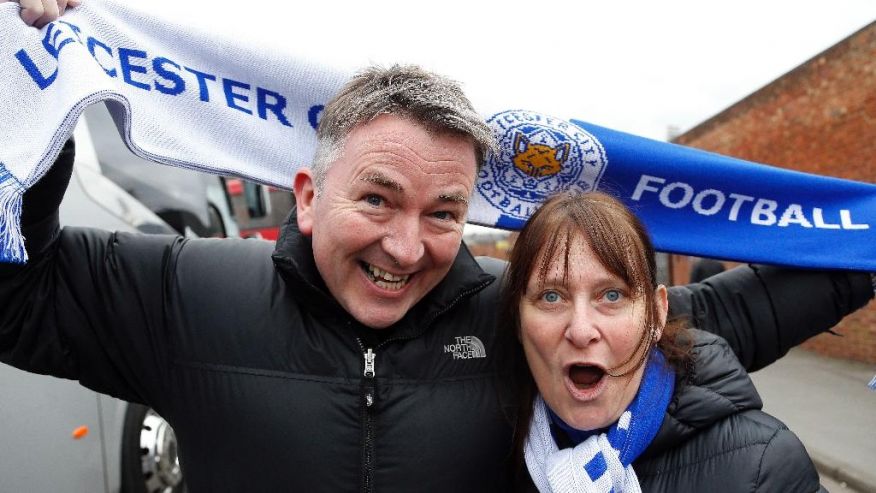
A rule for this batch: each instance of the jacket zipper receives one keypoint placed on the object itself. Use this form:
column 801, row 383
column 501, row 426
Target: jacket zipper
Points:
column 369, row 391
column 368, row 395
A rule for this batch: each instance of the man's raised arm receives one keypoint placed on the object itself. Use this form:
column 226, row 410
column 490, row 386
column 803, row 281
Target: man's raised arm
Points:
column 88, row 304
column 764, row 311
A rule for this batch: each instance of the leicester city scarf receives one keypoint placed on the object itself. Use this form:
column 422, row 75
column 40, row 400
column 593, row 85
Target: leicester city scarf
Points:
column 602, row 462
column 203, row 100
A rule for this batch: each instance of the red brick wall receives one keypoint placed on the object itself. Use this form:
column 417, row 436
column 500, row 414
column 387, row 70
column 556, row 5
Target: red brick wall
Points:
column 818, row 118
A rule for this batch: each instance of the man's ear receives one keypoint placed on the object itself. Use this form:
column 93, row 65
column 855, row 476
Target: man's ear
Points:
column 661, row 298
column 305, row 195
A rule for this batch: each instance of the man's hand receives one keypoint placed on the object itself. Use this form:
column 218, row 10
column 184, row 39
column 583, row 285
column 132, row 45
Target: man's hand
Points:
column 38, row 13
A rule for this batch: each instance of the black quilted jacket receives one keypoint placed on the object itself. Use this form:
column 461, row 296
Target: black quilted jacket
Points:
column 715, row 438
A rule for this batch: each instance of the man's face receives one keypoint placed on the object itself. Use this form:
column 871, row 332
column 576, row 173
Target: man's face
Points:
column 387, row 224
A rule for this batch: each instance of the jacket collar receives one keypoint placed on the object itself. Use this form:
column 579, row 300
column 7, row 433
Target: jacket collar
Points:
column 293, row 258
column 713, row 387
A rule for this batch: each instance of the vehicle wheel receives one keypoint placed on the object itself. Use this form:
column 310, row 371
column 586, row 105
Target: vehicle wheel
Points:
column 150, row 463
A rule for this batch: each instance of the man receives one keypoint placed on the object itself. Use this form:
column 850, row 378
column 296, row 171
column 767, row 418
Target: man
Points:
column 363, row 353
column 385, row 202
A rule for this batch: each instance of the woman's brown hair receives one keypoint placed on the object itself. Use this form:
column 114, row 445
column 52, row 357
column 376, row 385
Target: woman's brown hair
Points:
column 623, row 247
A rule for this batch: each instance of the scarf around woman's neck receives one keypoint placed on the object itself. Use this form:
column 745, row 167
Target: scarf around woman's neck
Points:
column 185, row 94
column 602, row 462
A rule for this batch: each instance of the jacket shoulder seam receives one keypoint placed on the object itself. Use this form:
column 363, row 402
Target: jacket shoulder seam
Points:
column 769, row 442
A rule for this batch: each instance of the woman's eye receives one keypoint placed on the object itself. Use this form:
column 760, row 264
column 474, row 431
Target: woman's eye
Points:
column 613, row 295
column 374, row 200
column 551, row 297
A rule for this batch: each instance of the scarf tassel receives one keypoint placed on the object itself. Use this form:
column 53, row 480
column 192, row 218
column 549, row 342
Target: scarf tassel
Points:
column 11, row 239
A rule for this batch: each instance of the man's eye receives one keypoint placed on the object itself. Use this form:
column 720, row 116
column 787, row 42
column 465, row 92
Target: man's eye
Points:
column 613, row 295
column 444, row 215
column 374, row 200
column 551, row 296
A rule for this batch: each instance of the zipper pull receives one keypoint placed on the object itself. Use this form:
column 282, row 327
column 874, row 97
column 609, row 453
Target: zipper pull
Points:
column 369, row 364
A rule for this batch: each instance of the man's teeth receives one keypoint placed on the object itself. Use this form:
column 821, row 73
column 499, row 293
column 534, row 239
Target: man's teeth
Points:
column 385, row 279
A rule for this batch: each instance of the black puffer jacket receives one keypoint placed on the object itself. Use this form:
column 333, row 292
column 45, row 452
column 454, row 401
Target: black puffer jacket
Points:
column 715, row 437
column 262, row 374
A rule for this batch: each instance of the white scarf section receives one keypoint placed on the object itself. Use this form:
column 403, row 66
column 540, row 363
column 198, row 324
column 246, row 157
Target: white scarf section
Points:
column 569, row 470
column 180, row 96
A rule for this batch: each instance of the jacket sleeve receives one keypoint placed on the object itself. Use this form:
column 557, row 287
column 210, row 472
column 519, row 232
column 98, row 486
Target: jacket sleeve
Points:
column 39, row 211
column 88, row 304
column 785, row 465
column 763, row 311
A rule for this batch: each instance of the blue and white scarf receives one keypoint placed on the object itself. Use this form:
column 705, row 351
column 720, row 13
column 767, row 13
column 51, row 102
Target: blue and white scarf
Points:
column 601, row 462
column 200, row 99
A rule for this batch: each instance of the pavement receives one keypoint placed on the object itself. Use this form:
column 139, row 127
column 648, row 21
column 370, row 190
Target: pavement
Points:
column 827, row 403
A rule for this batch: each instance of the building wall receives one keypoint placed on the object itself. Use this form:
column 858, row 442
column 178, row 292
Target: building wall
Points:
column 819, row 118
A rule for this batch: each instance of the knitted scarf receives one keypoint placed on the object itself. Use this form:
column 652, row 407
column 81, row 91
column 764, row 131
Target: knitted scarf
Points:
column 601, row 462
column 183, row 95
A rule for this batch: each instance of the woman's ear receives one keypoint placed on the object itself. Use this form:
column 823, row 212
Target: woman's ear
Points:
column 305, row 195
column 661, row 299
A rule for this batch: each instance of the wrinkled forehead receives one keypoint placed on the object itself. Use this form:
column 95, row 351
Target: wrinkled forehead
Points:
column 407, row 138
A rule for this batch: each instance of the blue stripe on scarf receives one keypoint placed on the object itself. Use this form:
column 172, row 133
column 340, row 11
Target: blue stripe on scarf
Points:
column 686, row 197
column 693, row 202
column 596, row 467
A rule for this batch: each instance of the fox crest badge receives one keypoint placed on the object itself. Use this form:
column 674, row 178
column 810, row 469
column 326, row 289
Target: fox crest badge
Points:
column 538, row 156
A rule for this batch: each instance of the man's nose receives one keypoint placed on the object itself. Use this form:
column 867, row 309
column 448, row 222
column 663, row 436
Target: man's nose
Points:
column 582, row 328
column 404, row 241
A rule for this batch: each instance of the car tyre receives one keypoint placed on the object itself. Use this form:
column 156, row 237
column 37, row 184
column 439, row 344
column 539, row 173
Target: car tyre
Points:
column 150, row 463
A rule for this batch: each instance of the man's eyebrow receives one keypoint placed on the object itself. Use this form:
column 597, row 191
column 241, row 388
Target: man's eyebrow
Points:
column 455, row 197
column 382, row 180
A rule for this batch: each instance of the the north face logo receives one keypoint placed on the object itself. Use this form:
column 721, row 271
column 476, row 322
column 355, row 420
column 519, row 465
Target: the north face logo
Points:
column 466, row 347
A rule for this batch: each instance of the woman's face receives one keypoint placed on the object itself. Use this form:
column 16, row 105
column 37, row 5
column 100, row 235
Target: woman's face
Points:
column 573, row 330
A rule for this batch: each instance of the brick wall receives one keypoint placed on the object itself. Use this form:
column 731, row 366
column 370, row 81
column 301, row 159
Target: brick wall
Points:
column 818, row 118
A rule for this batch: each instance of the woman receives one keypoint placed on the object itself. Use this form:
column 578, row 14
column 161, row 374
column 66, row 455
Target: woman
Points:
column 617, row 398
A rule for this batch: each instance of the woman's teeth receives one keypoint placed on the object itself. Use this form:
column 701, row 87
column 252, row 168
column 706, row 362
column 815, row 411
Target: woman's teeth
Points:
column 385, row 279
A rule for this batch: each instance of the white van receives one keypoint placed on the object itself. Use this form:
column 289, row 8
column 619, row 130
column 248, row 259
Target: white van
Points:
column 56, row 435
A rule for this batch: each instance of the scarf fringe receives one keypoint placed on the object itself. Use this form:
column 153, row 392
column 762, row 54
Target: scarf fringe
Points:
column 11, row 239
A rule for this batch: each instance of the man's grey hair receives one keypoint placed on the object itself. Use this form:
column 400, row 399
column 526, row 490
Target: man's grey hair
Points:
column 431, row 100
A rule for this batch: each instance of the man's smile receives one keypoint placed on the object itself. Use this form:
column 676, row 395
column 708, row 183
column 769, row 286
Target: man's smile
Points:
column 384, row 279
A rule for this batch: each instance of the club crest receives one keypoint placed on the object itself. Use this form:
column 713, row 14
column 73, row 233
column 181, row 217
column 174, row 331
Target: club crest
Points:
column 538, row 157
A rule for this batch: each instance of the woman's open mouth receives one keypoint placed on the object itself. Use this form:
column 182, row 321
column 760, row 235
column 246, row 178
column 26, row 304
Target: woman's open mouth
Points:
column 585, row 382
column 384, row 279
column 585, row 376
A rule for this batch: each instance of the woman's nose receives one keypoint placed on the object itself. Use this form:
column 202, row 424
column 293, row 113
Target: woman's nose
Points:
column 582, row 329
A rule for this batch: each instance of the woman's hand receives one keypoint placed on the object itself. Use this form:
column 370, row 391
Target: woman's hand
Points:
column 38, row 13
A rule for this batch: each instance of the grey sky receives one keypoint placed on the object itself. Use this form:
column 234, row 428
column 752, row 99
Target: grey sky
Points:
column 635, row 66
